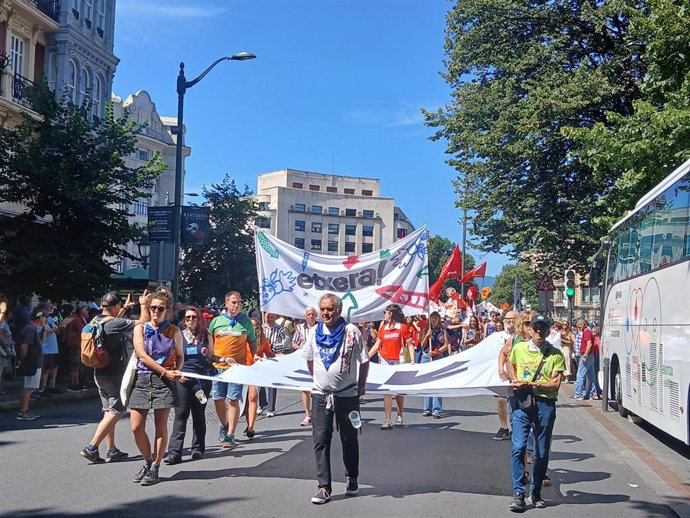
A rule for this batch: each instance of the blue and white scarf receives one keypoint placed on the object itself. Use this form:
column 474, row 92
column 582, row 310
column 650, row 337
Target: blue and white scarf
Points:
column 329, row 344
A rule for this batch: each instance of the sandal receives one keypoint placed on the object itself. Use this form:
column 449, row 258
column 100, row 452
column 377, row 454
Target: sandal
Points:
column 426, row 413
column 546, row 481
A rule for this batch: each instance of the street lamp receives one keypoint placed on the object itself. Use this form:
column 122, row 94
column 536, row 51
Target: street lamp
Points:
column 144, row 257
column 182, row 86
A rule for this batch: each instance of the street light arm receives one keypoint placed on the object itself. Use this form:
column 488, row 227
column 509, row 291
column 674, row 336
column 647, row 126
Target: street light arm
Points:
column 191, row 83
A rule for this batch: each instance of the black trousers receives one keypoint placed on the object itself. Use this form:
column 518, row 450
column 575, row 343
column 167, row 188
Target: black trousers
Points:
column 188, row 403
column 322, row 429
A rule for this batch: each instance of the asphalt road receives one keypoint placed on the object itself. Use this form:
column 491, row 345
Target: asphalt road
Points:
column 447, row 467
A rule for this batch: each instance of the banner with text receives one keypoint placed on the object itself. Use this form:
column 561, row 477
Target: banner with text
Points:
column 290, row 279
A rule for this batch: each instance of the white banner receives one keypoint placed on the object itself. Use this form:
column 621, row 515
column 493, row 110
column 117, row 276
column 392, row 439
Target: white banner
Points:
column 469, row 373
column 290, row 279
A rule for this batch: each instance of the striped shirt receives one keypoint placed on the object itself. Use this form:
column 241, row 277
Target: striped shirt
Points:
column 276, row 336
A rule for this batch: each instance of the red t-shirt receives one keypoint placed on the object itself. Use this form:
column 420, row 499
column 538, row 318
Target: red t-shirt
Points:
column 587, row 336
column 392, row 340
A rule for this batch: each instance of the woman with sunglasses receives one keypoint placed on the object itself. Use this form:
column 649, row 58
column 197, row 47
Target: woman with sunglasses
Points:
column 158, row 345
column 567, row 343
column 192, row 393
column 473, row 334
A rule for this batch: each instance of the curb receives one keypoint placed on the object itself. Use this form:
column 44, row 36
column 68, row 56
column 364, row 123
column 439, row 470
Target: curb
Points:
column 10, row 403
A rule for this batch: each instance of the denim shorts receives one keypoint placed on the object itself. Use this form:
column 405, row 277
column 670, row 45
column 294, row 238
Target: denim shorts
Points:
column 109, row 392
column 221, row 390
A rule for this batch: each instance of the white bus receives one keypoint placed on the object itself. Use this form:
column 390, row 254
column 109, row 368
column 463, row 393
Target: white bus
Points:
column 646, row 307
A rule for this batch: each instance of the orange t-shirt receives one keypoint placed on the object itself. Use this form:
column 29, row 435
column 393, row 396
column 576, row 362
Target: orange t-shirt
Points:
column 392, row 340
column 263, row 351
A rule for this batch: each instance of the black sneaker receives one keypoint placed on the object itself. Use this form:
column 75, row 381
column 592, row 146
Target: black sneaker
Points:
column 54, row 391
column 151, row 476
column 322, row 496
column 92, row 456
column 143, row 470
column 502, row 434
column 537, row 501
column 116, row 455
column 352, row 487
column 74, row 388
column 196, row 455
column 172, row 459
column 517, row 505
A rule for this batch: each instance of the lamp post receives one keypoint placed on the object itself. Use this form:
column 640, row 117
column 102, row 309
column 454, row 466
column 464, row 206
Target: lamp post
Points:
column 182, row 86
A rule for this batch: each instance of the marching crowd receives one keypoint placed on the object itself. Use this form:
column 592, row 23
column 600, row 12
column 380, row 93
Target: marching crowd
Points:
column 167, row 340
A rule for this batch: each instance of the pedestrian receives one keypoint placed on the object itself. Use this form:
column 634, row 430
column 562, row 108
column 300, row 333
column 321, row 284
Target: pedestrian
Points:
column 473, row 334
column 281, row 344
column 7, row 352
column 109, row 378
column 192, row 393
column 49, row 371
column 229, row 334
column 299, row 339
column 510, row 340
column 263, row 350
column 73, row 332
column 535, row 370
column 31, row 359
column 393, row 337
column 435, row 345
column 586, row 383
column 158, row 346
column 333, row 350
column 567, row 344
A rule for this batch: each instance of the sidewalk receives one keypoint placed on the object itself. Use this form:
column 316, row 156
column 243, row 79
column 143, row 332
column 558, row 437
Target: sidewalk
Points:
column 10, row 402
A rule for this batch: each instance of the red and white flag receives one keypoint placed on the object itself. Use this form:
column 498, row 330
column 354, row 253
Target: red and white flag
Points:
column 478, row 271
column 451, row 268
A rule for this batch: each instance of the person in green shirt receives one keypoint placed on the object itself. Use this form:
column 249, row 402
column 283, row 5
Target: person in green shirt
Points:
column 536, row 368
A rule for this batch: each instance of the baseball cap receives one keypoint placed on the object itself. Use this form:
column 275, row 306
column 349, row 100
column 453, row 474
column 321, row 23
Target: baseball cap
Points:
column 540, row 320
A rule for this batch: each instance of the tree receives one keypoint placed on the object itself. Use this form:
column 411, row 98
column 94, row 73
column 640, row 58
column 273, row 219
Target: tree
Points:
column 639, row 149
column 504, row 284
column 228, row 261
column 521, row 72
column 68, row 174
column 439, row 248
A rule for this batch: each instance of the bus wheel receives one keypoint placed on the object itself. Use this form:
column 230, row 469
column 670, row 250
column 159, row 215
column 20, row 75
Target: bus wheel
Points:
column 618, row 394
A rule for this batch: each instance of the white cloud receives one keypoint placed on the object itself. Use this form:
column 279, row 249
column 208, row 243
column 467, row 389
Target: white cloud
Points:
column 407, row 114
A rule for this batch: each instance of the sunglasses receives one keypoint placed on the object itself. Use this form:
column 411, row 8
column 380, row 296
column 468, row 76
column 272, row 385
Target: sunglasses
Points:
column 190, row 317
column 158, row 309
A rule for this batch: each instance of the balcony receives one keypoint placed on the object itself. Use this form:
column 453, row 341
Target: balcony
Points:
column 48, row 7
column 21, row 90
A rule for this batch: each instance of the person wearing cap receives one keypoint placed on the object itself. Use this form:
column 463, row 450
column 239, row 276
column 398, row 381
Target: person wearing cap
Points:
column 535, row 370
column 333, row 351
column 74, row 345
column 117, row 331
column 31, row 359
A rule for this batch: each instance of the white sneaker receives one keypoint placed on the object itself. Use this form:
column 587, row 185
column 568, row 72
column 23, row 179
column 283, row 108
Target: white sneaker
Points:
column 270, row 414
column 399, row 421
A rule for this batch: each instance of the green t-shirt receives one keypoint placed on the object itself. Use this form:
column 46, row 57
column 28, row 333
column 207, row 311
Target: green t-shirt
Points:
column 526, row 361
column 231, row 336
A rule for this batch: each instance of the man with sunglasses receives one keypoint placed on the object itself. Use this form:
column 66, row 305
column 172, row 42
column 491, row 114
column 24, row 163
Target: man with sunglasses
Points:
column 117, row 333
column 535, row 370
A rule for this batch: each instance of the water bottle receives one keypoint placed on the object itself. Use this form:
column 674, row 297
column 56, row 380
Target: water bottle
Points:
column 355, row 419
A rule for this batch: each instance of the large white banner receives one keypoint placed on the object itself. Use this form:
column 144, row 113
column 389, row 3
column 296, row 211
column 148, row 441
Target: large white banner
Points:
column 290, row 279
column 469, row 373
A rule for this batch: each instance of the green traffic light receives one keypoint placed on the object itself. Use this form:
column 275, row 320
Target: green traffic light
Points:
column 570, row 292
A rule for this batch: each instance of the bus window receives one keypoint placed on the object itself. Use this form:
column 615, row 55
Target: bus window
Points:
column 676, row 229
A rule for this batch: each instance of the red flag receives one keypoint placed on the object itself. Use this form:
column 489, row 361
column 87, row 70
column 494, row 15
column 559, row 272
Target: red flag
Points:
column 479, row 271
column 451, row 268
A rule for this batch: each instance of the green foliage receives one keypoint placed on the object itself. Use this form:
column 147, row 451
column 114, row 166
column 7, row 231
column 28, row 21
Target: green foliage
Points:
column 521, row 71
column 67, row 172
column 505, row 283
column 633, row 152
column 228, row 261
column 439, row 250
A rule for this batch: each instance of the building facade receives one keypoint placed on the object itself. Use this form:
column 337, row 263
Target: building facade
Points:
column 155, row 135
column 329, row 214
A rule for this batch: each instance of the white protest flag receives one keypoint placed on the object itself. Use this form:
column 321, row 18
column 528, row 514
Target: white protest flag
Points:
column 290, row 279
column 469, row 373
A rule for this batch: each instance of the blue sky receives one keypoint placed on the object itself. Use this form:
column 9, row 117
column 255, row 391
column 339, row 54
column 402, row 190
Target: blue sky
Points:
column 337, row 87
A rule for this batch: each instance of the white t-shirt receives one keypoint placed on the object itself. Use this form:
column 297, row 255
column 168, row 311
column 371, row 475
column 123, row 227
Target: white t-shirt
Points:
column 332, row 380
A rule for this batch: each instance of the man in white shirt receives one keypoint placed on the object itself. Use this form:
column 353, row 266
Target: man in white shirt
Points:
column 332, row 350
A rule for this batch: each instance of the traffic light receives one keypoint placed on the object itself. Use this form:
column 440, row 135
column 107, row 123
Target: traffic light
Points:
column 569, row 281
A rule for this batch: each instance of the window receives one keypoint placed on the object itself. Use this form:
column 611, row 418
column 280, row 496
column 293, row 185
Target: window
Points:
column 74, row 4
column 368, row 231
column 17, row 55
column 350, row 230
column 333, row 228
column 88, row 11
column 368, row 213
column 590, row 295
column 316, row 244
column 349, row 247
column 84, row 85
column 141, row 206
column 100, row 17
column 333, row 211
column 332, row 246
column 263, row 222
column 367, row 248
column 317, row 208
column 351, row 212
column 402, row 232
column 349, row 191
column 331, row 189
column 300, row 207
column 366, row 192
column 72, row 81
column 296, row 185
column 299, row 225
column 143, row 155
column 97, row 95
column 299, row 242
column 52, row 71
column 316, row 227
column 313, row 187
column 264, row 205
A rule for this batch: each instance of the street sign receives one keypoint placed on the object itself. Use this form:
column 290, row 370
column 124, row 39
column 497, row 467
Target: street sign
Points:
column 161, row 223
column 546, row 283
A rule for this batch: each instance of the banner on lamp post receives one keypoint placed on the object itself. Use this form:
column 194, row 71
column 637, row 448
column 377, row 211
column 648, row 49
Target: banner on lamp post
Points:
column 160, row 223
column 195, row 225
